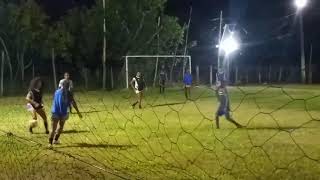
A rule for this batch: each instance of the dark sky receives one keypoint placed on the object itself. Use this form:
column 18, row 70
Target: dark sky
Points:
column 263, row 19
column 269, row 33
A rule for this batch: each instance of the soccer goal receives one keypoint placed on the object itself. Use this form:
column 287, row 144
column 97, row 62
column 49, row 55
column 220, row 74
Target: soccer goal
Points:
column 151, row 65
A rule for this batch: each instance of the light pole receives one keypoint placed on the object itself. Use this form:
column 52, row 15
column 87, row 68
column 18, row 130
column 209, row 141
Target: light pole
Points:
column 301, row 4
column 228, row 45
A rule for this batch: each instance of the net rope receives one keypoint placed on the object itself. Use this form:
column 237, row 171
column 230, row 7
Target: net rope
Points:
column 170, row 138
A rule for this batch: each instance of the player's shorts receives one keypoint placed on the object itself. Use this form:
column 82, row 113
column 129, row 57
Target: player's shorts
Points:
column 222, row 111
column 187, row 86
column 55, row 117
column 162, row 83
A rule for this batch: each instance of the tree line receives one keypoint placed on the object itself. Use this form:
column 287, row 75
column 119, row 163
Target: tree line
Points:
column 29, row 35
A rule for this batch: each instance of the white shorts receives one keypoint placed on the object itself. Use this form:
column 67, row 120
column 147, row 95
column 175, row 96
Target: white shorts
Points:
column 187, row 86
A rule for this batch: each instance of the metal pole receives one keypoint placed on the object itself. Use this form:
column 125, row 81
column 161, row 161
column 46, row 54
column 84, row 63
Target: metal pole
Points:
column 190, row 66
column 310, row 65
column 186, row 41
column 158, row 49
column 104, row 56
column 211, row 71
column 2, row 72
column 220, row 34
column 303, row 59
column 127, row 73
column 54, row 68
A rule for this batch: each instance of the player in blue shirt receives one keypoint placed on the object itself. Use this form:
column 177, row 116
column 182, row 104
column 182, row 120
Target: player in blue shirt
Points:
column 224, row 105
column 61, row 102
column 187, row 81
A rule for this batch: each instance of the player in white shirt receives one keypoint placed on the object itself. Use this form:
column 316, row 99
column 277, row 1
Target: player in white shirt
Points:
column 70, row 84
column 138, row 85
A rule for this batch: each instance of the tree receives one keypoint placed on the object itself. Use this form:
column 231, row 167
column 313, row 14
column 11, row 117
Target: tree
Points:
column 22, row 30
column 57, row 42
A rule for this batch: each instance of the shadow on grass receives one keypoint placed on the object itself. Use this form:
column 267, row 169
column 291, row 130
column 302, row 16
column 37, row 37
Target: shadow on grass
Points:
column 73, row 131
column 89, row 112
column 104, row 146
column 277, row 128
column 168, row 104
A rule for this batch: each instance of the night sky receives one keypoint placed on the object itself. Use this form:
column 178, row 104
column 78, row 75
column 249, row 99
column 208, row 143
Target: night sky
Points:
column 269, row 33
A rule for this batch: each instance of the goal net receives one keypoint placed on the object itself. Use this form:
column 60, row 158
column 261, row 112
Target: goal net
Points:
column 151, row 65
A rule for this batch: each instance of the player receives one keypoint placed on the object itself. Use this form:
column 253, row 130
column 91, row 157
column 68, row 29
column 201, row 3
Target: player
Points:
column 61, row 102
column 224, row 105
column 187, row 80
column 138, row 85
column 67, row 78
column 34, row 99
column 162, row 79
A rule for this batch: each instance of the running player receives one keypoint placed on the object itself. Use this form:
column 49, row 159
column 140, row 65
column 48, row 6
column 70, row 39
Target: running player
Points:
column 162, row 79
column 70, row 89
column 224, row 105
column 34, row 98
column 60, row 105
column 187, row 80
column 138, row 85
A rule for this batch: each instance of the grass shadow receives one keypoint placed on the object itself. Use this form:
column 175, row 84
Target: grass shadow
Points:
column 277, row 128
column 104, row 146
column 73, row 131
column 169, row 104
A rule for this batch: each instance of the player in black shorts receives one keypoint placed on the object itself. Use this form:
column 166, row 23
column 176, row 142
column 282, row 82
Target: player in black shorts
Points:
column 224, row 105
column 34, row 99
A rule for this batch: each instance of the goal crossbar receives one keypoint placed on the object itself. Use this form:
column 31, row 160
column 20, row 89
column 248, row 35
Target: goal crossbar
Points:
column 153, row 56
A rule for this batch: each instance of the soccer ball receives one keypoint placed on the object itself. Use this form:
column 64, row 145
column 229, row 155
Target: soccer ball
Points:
column 33, row 123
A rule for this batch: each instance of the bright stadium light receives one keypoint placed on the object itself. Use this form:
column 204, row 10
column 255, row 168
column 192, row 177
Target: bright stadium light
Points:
column 300, row 4
column 229, row 45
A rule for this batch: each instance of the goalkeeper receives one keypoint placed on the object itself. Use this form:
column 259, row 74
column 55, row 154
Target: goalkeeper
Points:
column 224, row 105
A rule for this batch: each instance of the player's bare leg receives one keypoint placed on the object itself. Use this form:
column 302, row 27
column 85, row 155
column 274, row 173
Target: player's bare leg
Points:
column 59, row 131
column 43, row 115
column 53, row 132
column 140, row 96
column 34, row 117
column 217, row 122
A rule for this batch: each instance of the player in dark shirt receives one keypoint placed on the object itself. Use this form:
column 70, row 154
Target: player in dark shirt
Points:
column 224, row 105
column 162, row 79
column 34, row 99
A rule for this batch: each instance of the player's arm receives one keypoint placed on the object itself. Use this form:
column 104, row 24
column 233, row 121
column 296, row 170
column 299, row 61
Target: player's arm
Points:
column 70, row 85
column 132, row 83
column 30, row 100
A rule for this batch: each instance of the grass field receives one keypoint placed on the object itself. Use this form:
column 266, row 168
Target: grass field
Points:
column 170, row 138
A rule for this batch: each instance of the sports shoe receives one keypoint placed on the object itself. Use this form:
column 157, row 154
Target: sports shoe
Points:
column 56, row 142
column 30, row 130
column 240, row 126
column 50, row 146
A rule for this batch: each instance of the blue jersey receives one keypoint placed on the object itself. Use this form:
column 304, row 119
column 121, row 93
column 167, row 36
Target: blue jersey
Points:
column 187, row 80
column 60, row 103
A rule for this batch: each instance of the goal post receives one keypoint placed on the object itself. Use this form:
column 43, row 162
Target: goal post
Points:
column 127, row 58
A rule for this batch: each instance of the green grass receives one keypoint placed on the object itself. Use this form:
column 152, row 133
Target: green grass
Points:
column 170, row 138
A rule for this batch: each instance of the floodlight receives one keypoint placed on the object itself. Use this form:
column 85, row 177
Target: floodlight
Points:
column 229, row 45
column 300, row 4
